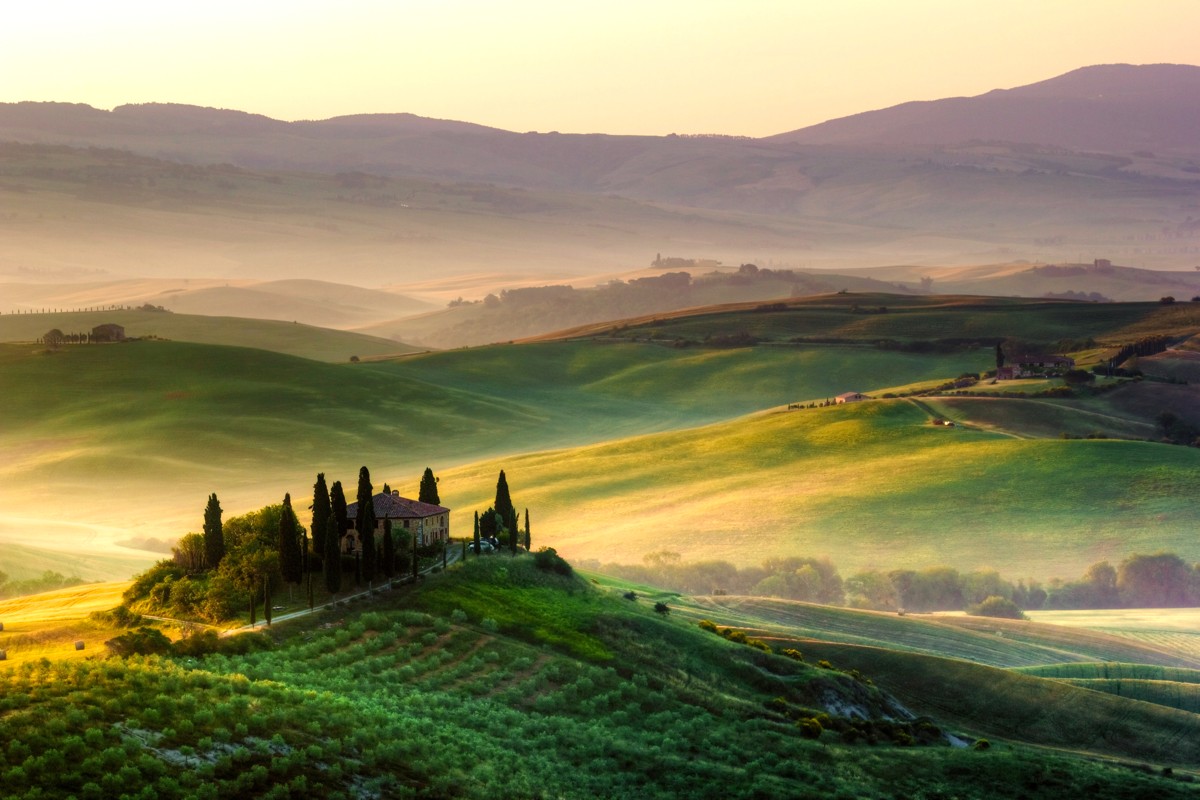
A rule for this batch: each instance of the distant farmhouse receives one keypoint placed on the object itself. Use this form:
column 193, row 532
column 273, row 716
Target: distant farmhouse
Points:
column 428, row 523
column 851, row 397
column 1034, row 365
column 108, row 332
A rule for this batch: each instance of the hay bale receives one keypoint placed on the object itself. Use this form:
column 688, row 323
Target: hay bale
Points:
column 79, row 645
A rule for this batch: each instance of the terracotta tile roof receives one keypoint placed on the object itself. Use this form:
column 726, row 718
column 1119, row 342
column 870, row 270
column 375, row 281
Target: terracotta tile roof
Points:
column 393, row 506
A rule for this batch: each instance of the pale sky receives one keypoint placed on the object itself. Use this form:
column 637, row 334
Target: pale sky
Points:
column 754, row 67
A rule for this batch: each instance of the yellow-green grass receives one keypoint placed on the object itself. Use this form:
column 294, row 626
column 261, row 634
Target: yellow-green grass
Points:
column 22, row 562
column 997, row 643
column 47, row 625
column 1114, row 670
column 1040, row 418
column 1175, row 628
column 871, row 485
column 306, row 341
column 133, row 437
column 1003, row 704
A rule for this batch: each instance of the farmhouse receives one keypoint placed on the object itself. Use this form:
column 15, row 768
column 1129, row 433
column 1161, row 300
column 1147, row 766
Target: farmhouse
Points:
column 851, row 397
column 1033, row 365
column 108, row 332
column 427, row 522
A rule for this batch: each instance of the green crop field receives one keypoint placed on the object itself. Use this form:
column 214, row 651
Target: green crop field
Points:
column 426, row 691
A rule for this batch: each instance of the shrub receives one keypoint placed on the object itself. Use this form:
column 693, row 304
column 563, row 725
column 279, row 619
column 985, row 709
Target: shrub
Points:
column 823, row 664
column 662, row 608
column 793, row 654
column 143, row 641
column 758, row 644
column 707, row 625
column 548, row 559
column 1166, row 301
column 630, row 595
column 997, row 606
column 810, row 728
column 981, row 744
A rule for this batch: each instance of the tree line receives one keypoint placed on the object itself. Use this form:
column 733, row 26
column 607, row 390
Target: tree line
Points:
column 1158, row 580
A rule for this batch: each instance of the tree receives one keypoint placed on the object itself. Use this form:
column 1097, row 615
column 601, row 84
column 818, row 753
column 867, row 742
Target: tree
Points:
column 321, row 510
column 214, row 534
column 364, row 522
column 53, row 338
column 389, row 551
column 476, row 533
column 332, row 559
column 429, row 488
column 999, row 356
column 1161, row 580
column 504, row 505
column 337, row 504
column 250, row 569
column 527, row 549
column 489, row 524
column 188, row 552
column 291, row 562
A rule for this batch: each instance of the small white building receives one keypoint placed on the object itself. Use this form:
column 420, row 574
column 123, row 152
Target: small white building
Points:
column 851, row 397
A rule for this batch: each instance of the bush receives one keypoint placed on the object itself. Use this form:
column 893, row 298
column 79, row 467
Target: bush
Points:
column 662, row 608
column 810, row 728
column 981, row 744
column 793, row 654
column 143, row 641
column 630, row 595
column 707, row 625
column 548, row 559
column 997, row 606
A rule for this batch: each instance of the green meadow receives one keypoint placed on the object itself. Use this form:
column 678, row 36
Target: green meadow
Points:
column 413, row 692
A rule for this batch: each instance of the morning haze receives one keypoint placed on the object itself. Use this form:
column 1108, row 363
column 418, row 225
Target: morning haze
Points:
column 674, row 400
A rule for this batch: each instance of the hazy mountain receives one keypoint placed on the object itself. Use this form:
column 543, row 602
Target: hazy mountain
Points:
column 1116, row 108
column 1099, row 163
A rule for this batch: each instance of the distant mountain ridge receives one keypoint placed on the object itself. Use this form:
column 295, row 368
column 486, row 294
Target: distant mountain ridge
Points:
column 1111, row 108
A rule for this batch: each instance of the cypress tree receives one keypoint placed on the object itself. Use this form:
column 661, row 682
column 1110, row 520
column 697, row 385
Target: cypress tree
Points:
column 214, row 534
column 332, row 560
column 337, row 504
column 476, row 533
column 504, row 505
column 429, row 489
column 291, row 564
column 320, row 513
column 999, row 356
column 365, row 523
column 527, row 530
column 389, row 551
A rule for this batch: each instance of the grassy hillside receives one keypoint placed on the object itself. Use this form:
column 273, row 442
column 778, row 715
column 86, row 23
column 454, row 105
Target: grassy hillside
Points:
column 306, row 341
column 996, row 643
column 854, row 316
column 869, row 485
column 421, row 693
column 139, row 434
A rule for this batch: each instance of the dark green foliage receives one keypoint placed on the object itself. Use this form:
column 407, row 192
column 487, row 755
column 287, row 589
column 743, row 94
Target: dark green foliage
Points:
column 364, row 523
column 332, row 560
column 707, row 625
column 490, row 524
column 662, row 608
column 120, row 617
column 337, row 503
column 214, row 536
column 476, row 534
column 527, row 540
column 981, row 744
column 291, row 563
column 321, row 509
column 548, row 559
column 999, row 356
column 143, row 641
column 504, row 505
column 428, row 492
column 996, row 606
column 1078, row 377
column 388, row 564
column 630, row 595
column 1177, row 430
column 793, row 654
